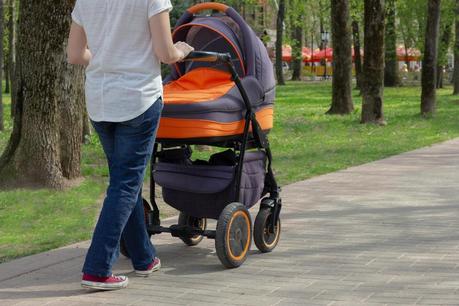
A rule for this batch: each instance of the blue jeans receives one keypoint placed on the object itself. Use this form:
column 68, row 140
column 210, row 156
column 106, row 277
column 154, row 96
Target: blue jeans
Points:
column 128, row 146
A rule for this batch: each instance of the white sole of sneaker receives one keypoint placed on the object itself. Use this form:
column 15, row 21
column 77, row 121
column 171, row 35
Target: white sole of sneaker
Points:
column 148, row 272
column 102, row 286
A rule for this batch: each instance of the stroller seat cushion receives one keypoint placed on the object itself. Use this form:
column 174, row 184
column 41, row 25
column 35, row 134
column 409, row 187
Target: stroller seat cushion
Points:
column 208, row 90
column 202, row 84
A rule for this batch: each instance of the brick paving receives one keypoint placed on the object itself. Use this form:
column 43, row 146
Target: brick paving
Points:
column 384, row 233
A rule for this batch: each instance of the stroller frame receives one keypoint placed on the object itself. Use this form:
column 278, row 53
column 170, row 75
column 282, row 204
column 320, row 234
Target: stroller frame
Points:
column 259, row 140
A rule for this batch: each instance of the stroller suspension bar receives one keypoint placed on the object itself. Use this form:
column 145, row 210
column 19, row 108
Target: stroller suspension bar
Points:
column 181, row 231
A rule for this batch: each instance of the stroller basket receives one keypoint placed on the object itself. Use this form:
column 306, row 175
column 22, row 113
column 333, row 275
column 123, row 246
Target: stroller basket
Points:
column 204, row 190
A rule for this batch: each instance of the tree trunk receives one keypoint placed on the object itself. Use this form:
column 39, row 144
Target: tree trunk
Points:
column 357, row 57
column 7, row 65
column 391, row 77
column 12, row 54
column 342, row 58
column 429, row 65
column 373, row 62
column 442, row 58
column 44, row 149
column 440, row 76
column 407, row 62
column 456, row 53
column 6, row 56
column 7, row 75
column 297, row 52
column 279, row 42
column 2, row 15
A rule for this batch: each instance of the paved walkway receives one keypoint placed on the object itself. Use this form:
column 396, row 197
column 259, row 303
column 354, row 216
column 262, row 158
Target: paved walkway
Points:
column 382, row 233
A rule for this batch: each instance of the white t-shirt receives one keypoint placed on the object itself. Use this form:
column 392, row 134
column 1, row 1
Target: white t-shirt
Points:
column 123, row 78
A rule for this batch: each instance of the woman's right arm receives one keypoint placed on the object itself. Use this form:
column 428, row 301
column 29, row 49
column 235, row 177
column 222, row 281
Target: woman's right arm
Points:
column 77, row 48
column 163, row 45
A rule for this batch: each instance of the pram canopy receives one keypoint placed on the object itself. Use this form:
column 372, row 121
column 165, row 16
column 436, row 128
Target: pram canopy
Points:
column 201, row 100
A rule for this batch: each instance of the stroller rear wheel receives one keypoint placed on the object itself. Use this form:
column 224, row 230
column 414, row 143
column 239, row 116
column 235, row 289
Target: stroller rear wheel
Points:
column 234, row 235
column 200, row 223
column 265, row 239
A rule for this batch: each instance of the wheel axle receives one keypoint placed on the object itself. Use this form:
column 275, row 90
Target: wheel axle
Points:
column 181, row 231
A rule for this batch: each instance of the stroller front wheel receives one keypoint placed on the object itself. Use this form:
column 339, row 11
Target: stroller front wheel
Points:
column 264, row 237
column 234, row 235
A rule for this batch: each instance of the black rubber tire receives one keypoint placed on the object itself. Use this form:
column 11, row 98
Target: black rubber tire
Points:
column 185, row 219
column 234, row 235
column 146, row 207
column 264, row 239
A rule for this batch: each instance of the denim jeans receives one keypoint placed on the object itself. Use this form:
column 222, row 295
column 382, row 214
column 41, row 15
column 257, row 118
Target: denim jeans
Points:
column 128, row 146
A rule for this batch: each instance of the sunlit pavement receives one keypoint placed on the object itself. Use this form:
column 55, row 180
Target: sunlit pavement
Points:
column 381, row 233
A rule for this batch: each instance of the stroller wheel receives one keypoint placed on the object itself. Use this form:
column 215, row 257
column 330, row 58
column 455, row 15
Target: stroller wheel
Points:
column 201, row 223
column 146, row 208
column 265, row 239
column 234, row 235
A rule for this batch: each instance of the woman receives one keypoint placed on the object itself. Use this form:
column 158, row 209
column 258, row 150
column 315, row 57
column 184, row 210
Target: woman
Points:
column 122, row 43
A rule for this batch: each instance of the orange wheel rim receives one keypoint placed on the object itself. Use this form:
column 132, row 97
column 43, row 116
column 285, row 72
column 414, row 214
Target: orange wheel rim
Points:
column 246, row 247
column 201, row 225
column 277, row 236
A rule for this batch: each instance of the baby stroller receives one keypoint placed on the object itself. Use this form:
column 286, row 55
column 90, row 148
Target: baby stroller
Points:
column 222, row 96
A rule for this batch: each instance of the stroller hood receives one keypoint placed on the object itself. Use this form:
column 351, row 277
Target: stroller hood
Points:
column 201, row 101
column 224, row 32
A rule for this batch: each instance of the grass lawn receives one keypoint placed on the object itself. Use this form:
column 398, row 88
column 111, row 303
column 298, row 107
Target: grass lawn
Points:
column 305, row 143
column 33, row 221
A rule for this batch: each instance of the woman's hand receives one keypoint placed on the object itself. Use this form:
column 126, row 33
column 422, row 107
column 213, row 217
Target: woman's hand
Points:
column 184, row 48
column 161, row 37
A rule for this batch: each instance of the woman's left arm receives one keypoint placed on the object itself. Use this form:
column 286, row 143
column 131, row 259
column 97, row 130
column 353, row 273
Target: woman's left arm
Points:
column 77, row 49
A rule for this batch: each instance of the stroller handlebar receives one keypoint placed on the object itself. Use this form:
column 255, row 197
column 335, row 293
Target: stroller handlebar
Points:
column 206, row 56
column 208, row 6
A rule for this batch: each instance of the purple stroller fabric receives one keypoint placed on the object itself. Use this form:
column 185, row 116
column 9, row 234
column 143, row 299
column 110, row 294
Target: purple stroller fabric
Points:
column 204, row 190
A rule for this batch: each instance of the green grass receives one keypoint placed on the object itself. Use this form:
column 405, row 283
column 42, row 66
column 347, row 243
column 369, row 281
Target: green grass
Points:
column 36, row 220
column 6, row 121
column 305, row 143
column 33, row 221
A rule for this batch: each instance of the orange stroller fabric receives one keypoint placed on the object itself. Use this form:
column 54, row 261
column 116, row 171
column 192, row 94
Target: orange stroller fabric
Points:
column 204, row 85
column 171, row 128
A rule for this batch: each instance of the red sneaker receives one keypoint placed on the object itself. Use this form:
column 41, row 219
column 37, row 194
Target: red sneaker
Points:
column 104, row 283
column 154, row 266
